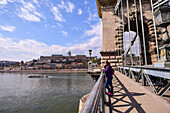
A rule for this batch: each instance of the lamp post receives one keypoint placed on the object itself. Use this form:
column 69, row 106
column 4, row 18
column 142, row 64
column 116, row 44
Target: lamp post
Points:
column 90, row 63
column 162, row 14
column 90, row 52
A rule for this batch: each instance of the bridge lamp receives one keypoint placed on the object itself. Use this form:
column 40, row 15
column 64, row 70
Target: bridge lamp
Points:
column 90, row 52
column 162, row 13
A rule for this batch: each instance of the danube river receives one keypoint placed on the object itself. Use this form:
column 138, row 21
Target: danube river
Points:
column 59, row 93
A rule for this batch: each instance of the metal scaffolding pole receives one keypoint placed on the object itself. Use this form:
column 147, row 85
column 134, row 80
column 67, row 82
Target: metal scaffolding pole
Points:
column 143, row 32
column 137, row 28
column 124, row 41
column 156, row 38
column 129, row 33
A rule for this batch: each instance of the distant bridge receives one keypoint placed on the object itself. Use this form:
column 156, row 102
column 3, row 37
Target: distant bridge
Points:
column 152, row 69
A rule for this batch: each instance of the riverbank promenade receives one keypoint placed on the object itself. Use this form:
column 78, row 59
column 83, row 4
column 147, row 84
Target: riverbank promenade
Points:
column 130, row 96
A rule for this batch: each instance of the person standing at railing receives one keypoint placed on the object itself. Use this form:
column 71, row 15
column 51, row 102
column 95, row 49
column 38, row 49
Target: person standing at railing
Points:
column 109, row 71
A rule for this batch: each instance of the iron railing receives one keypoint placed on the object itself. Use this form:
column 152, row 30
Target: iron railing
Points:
column 149, row 75
column 96, row 97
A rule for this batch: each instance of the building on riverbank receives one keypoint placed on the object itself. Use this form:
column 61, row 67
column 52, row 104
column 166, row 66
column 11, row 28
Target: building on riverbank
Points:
column 8, row 64
column 58, row 61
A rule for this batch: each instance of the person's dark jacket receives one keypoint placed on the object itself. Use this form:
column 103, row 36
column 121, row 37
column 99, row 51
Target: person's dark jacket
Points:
column 108, row 71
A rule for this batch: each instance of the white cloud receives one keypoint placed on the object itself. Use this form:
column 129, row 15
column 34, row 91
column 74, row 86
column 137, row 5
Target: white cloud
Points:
column 57, row 14
column 75, row 28
column 68, row 44
column 4, row 2
column 71, row 7
column 64, row 33
column 29, row 49
column 85, row 2
column 92, row 17
column 68, row 6
column 59, row 25
column 35, row 1
column 79, row 12
column 95, row 31
column 25, row 14
column 7, row 28
column 29, row 12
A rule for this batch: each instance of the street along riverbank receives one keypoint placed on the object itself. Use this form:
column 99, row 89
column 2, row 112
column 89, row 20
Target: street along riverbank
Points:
column 46, row 71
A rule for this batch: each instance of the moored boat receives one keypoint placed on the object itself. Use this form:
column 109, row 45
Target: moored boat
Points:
column 37, row 76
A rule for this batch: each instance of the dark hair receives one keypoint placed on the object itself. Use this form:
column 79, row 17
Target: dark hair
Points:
column 107, row 63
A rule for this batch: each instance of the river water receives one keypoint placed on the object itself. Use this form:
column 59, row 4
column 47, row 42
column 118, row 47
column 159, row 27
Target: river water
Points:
column 59, row 93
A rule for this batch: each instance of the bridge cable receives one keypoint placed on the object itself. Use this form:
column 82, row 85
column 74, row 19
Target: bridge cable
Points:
column 137, row 28
column 117, row 37
column 129, row 33
column 124, row 41
column 143, row 32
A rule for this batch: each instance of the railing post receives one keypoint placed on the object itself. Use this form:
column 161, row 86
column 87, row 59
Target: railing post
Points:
column 130, row 74
column 143, row 79
column 103, row 97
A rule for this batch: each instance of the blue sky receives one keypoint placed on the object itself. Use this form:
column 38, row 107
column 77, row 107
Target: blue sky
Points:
column 31, row 28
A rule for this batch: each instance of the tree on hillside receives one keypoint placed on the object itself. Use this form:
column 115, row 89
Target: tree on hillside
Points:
column 22, row 63
column 93, row 60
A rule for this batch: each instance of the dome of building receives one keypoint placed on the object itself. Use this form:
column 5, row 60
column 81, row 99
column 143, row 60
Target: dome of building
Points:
column 69, row 53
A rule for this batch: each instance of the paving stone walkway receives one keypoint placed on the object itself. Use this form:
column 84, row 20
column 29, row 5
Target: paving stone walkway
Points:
column 130, row 96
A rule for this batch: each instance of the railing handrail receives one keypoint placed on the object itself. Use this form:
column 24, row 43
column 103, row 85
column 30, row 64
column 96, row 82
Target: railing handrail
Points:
column 153, row 71
column 92, row 102
column 148, row 67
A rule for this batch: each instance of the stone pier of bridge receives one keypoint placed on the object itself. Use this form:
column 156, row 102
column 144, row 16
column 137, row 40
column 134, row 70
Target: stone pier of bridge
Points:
column 113, row 27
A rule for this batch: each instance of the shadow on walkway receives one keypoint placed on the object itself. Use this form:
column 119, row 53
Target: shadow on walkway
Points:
column 123, row 101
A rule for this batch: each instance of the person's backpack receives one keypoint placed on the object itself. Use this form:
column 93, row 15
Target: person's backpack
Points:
column 113, row 71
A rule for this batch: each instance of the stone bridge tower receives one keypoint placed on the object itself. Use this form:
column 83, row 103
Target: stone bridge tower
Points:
column 109, row 48
column 112, row 43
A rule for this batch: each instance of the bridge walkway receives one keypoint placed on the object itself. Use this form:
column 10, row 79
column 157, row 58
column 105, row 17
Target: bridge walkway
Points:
column 130, row 96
